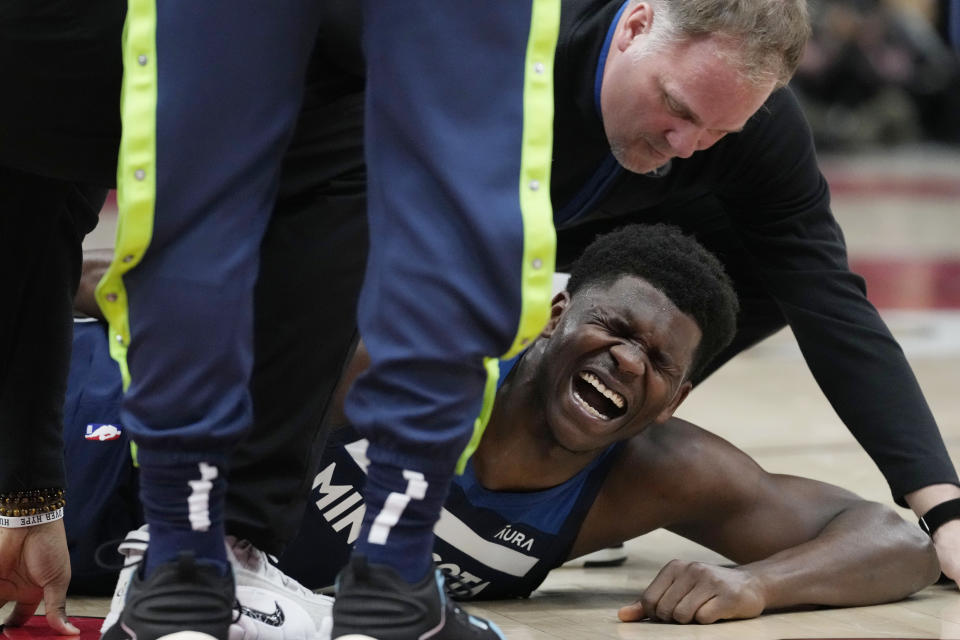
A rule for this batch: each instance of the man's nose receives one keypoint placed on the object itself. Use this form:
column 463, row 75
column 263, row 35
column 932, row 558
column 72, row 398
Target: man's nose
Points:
column 684, row 139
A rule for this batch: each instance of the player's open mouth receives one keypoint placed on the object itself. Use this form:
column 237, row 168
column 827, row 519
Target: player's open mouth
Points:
column 596, row 399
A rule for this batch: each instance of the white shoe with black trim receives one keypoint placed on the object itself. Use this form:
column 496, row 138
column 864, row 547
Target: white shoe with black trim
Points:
column 132, row 549
column 270, row 605
column 609, row 557
column 254, row 570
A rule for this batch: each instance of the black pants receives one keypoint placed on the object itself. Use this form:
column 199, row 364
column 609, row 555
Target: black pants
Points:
column 42, row 225
column 311, row 269
column 759, row 316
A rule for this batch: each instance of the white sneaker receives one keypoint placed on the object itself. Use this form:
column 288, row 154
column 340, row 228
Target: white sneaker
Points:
column 609, row 557
column 270, row 604
column 132, row 549
column 263, row 614
column 253, row 568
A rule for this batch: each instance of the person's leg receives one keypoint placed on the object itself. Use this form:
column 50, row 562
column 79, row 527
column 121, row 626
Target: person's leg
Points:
column 42, row 225
column 311, row 268
column 458, row 208
column 211, row 93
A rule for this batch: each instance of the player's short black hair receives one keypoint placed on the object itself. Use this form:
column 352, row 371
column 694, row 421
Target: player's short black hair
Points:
column 677, row 265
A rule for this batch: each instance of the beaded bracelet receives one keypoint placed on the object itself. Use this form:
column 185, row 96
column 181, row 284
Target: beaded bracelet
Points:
column 32, row 502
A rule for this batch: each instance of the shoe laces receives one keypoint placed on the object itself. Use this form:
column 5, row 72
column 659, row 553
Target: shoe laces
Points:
column 130, row 549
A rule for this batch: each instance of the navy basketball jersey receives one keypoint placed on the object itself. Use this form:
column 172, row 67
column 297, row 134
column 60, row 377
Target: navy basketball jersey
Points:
column 491, row 544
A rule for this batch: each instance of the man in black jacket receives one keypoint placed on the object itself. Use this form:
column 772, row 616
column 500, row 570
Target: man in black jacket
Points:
column 757, row 199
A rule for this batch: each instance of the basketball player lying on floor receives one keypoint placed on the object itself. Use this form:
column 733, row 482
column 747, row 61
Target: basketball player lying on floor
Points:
column 582, row 451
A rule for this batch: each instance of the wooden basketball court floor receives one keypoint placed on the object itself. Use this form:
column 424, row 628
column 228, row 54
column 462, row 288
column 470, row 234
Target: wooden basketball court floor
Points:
column 901, row 216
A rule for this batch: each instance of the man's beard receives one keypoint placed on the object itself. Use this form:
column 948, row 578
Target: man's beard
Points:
column 642, row 165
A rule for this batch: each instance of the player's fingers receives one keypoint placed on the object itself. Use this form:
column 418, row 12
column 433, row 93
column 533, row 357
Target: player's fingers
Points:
column 631, row 612
column 20, row 614
column 683, row 583
column 710, row 611
column 655, row 590
column 690, row 604
column 663, row 610
column 55, row 604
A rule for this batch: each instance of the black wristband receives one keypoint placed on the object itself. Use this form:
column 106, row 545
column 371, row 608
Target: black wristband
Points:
column 943, row 512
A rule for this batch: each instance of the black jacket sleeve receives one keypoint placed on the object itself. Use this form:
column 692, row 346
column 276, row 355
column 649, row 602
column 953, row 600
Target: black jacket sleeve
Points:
column 780, row 205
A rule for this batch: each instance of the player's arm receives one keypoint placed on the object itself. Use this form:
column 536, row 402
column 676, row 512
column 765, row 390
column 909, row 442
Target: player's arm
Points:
column 359, row 362
column 95, row 264
column 798, row 541
column 780, row 207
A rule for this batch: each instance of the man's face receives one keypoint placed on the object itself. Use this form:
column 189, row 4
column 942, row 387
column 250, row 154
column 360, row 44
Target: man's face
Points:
column 617, row 358
column 669, row 102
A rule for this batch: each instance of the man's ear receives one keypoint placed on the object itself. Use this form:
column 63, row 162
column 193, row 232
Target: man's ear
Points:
column 557, row 307
column 638, row 20
column 680, row 396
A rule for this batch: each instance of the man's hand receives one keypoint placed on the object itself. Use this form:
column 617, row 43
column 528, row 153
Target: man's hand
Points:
column 697, row 592
column 946, row 539
column 35, row 566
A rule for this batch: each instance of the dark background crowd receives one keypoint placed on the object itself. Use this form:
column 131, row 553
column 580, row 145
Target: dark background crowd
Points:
column 880, row 73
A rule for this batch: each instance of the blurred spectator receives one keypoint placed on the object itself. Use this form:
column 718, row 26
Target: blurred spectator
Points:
column 952, row 22
column 879, row 72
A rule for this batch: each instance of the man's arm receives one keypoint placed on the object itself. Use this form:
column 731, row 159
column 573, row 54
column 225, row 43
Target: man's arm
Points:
column 780, row 205
column 798, row 541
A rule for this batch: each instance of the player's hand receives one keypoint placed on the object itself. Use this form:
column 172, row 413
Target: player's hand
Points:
column 35, row 567
column 946, row 540
column 697, row 592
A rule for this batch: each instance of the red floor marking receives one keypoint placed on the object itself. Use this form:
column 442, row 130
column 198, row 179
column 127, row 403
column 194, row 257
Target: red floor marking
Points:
column 911, row 283
column 37, row 629
column 850, row 183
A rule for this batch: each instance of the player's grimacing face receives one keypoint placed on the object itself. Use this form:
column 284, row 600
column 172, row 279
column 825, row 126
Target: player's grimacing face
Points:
column 617, row 360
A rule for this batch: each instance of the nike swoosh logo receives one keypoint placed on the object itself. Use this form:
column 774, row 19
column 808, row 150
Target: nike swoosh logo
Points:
column 274, row 619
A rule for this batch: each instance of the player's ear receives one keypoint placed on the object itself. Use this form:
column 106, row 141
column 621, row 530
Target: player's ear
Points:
column 670, row 409
column 557, row 307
